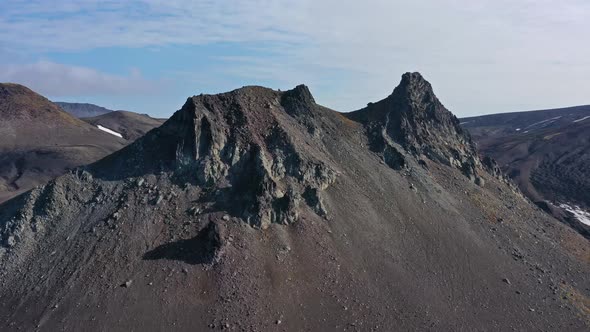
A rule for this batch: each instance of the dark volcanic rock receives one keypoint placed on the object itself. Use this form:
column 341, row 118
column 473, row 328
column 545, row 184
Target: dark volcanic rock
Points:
column 412, row 117
column 244, row 142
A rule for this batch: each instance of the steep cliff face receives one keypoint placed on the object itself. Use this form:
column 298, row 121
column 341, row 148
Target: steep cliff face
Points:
column 245, row 145
column 414, row 119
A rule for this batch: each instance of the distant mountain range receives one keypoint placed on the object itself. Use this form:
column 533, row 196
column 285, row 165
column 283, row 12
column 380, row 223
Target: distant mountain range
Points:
column 547, row 153
column 83, row 110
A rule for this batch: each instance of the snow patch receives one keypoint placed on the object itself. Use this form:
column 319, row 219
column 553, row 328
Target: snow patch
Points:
column 464, row 122
column 110, row 131
column 582, row 119
column 517, row 129
column 581, row 215
column 537, row 123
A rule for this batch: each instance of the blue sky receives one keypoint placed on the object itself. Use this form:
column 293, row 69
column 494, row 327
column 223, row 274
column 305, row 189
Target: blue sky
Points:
column 148, row 56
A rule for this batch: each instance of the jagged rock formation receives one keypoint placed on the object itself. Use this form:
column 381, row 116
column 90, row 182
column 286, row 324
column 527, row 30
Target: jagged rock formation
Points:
column 256, row 208
column 412, row 117
column 244, row 142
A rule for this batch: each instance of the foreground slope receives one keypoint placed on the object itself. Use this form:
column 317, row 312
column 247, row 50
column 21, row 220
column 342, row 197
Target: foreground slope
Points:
column 40, row 141
column 549, row 158
column 261, row 210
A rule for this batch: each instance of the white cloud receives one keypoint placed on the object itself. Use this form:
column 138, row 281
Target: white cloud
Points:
column 53, row 79
column 481, row 56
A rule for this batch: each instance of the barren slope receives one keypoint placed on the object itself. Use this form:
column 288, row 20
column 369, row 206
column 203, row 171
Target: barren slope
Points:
column 40, row 141
column 549, row 160
column 129, row 124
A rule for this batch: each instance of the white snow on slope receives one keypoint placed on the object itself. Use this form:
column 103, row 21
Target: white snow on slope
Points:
column 582, row 119
column 112, row 132
column 536, row 123
column 581, row 215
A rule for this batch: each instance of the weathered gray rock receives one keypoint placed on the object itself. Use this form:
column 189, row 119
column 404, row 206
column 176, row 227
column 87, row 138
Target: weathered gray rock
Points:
column 414, row 119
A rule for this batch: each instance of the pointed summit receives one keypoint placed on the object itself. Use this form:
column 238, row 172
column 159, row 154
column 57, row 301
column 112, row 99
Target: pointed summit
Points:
column 300, row 94
column 415, row 91
column 414, row 81
column 413, row 118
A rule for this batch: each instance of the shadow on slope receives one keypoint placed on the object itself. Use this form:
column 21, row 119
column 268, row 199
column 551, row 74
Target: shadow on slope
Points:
column 200, row 249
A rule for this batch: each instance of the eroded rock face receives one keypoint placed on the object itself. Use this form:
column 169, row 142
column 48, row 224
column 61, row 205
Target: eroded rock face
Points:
column 414, row 119
column 492, row 167
column 235, row 142
column 243, row 151
column 240, row 145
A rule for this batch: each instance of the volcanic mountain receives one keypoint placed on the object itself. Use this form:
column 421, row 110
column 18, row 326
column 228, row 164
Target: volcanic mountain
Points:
column 40, row 141
column 262, row 210
column 547, row 153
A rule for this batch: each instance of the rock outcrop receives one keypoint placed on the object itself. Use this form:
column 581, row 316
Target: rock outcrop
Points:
column 241, row 146
column 412, row 119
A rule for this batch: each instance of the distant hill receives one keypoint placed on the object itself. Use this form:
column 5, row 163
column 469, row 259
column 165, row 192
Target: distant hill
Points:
column 83, row 110
column 130, row 125
column 547, row 153
column 493, row 126
column 40, row 141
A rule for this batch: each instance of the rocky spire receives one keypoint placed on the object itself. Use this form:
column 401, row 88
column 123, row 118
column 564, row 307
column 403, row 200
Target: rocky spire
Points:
column 414, row 119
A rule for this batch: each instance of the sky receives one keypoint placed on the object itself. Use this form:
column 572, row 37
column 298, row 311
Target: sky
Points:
column 148, row 56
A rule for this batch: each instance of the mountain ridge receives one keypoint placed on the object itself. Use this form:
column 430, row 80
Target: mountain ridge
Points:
column 257, row 208
column 83, row 110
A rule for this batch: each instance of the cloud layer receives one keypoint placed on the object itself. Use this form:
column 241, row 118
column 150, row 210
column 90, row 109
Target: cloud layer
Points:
column 59, row 80
column 482, row 56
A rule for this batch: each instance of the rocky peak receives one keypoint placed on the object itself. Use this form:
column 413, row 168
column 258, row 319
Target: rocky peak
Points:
column 245, row 146
column 415, row 90
column 300, row 95
column 414, row 119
